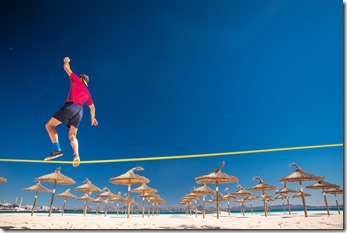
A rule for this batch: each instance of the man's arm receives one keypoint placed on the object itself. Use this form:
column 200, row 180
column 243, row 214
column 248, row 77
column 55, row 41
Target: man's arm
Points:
column 67, row 65
column 92, row 115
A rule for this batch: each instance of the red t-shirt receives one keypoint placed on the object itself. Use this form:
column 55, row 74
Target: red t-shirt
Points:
column 79, row 93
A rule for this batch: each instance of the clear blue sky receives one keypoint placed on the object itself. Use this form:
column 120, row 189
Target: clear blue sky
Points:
column 173, row 78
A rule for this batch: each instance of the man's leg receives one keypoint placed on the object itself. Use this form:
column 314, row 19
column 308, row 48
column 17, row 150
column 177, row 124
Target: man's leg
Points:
column 53, row 135
column 52, row 132
column 73, row 139
column 74, row 145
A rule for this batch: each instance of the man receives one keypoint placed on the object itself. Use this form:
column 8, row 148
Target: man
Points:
column 71, row 113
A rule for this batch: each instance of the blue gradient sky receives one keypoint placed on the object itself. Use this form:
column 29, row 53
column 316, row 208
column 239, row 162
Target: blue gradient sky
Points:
column 174, row 78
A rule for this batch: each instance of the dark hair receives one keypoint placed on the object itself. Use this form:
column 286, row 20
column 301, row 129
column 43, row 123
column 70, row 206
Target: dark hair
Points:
column 85, row 78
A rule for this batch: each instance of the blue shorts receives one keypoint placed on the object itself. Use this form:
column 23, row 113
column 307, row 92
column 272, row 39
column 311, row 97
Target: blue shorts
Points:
column 70, row 114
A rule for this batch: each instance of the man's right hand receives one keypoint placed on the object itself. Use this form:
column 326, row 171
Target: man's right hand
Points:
column 66, row 60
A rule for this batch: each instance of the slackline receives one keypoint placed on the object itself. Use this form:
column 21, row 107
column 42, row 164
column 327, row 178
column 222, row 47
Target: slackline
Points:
column 175, row 156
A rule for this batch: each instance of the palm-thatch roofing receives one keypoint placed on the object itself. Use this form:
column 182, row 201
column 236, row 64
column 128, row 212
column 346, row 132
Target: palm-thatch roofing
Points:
column 322, row 185
column 88, row 187
column 130, row 177
column 38, row 187
column 299, row 175
column 56, row 177
column 66, row 194
column 261, row 185
column 3, row 180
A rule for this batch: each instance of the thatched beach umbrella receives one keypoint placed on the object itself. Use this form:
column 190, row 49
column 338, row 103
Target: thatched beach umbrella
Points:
column 202, row 191
column 251, row 198
column 282, row 196
column 2, row 180
column 85, row 198
column 97, row 201
column 262, row 186
column 195, row 197
column 55, row 178
column 241, row 200
column 118, row 198
column 191, row 197
column 216, row 177
column 88, row 187
column 107, row 194
column 242, row 193
column 37, row 188
column 158, row 202
column 323, row 185
column 285, row 190
column 335, row 191
column 149, row 197
column 228, row 196
column 130, row 178
column 66, row 194
column 144, row 189
column 300, row 176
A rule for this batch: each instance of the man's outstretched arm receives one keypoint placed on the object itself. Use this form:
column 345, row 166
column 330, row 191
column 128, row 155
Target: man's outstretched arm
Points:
column 92, row 115
column 67, row 65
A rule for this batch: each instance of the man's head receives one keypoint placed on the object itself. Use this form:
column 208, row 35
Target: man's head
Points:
column 85, row 79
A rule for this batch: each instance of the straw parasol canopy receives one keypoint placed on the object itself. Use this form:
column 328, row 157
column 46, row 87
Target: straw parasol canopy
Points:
column 144, row 189
column 250, row 199
column 37, row 188
column 285, row 190
column 300, row 176
column 118, row 198
column 216, row 177
column 323, row 185
column 130, row 178
column 107, row 194
column 262, row 186
column 98, row 200
column 55, row 178
column 335, row 191
column 242, row 193
column 301, row 194
column 65, row 195
column 228, row 196
column 2, row 180
column 86, row 197
column 149, row 197
column 202, row 191
column 282, row 196
column 88, row 187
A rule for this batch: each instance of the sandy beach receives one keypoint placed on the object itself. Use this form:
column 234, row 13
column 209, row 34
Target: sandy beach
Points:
column 315, row 220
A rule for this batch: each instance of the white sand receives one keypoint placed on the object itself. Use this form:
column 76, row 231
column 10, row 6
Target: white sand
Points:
column 315, row 220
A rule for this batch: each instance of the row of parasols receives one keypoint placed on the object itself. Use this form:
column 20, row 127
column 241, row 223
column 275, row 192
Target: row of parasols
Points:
column 129, row 178
column 218, row 177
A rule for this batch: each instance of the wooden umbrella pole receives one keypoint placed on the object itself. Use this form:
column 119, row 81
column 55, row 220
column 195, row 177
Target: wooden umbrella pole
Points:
column 284, row 209
column 52, row 200
column 32, row 211
column 251, row 207
column 326, row 203
column 303, row 198
column 337, row 203
column 117, row 208
column 143, row 204
column 106, row 207
column 288, row 204
column 265, row 209
column 62, row 212
column 85, row 208
column 243, row 208
column 217, row 200
column 149, row 208
column 228, row 207
column 203, row 206
column 129, row 186
column 196, row 210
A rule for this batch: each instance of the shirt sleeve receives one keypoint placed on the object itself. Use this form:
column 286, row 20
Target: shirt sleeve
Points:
column 74, row 77
column 90, row 100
